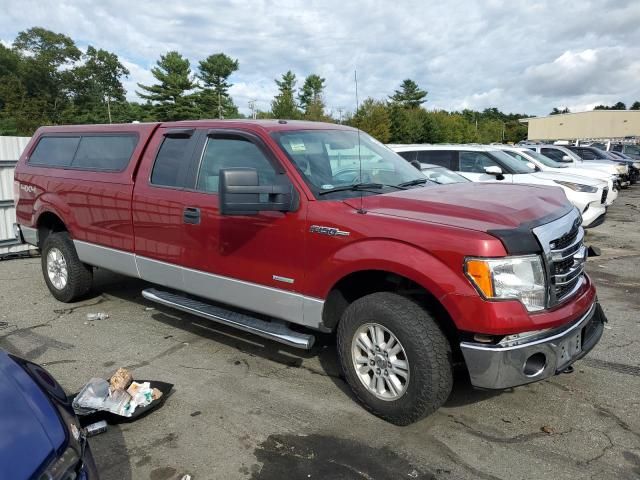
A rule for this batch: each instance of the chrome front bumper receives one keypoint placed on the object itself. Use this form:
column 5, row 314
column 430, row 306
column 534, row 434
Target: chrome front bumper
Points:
column 497, row 367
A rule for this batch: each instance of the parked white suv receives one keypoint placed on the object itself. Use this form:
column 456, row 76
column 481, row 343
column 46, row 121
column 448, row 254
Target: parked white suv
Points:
column 545, row 164
column 482, row 163
column 563, row 154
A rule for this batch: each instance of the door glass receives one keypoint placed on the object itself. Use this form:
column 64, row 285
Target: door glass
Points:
column 475, row 162
column 170, row 162
column 231, row 153
column 553, row 154
column 442, row 158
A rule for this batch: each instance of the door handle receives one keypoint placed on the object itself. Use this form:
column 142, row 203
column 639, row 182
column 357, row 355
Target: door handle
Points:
column 191, row 215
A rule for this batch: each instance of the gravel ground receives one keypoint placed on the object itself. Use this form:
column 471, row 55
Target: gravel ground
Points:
column 247, row 408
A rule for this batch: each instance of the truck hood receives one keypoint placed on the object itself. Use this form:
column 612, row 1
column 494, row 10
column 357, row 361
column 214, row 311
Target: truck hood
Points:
column 36, row 432
column 477, row 206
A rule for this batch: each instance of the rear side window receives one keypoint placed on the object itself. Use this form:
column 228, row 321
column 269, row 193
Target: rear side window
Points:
column 85, row 152
column 106, row 152
column 168, row 167
column 55, row 151
column 442, row 158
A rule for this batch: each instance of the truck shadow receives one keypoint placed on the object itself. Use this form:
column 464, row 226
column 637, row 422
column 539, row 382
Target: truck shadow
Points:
column 324, row 349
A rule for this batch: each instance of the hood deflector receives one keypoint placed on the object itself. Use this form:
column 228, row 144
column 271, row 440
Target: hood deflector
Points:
column 521, row 240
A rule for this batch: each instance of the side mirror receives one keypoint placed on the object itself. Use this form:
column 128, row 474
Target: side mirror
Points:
column 567, row 158
column 495, row 171
column 416, row 164
column 241, row 194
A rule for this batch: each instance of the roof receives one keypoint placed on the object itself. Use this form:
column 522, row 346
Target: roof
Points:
column 475, row 147
column 588, row 112
column 268, row 125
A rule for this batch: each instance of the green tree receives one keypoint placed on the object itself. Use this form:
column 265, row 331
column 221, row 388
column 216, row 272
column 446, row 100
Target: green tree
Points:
column 558, row 111
column 635, row 105
column 44, row 75
column 412, row 125
column 284, row 105
column 619, row 106
column 171, row 95
column 98, row 84
column 310, row 98
column 373, row 117
column 214, row 99
column 409, row 95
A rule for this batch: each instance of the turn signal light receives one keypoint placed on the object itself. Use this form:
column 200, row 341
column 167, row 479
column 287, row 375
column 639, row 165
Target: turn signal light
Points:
column 480, row 273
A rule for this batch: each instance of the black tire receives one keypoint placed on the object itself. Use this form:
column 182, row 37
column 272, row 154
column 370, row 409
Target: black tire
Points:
column 79, row 275
column 427, row 350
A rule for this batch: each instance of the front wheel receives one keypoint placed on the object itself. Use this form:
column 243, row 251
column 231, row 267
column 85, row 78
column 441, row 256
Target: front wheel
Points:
column 65, row 275
column 395, row 358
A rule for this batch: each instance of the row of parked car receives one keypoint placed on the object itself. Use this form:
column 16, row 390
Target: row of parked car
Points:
column 589, row 176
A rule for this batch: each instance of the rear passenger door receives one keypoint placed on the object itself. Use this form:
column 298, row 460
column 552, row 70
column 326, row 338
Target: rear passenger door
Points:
column 158, row 205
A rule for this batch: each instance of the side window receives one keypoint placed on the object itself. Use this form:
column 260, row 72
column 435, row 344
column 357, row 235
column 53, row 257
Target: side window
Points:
column 170, row 161
column 408, row 156
column 475, row 162
column 586, row 154
column 54, row 151
column 552, row 153
column 233, row 152
column 105, row 152
column 442, row 158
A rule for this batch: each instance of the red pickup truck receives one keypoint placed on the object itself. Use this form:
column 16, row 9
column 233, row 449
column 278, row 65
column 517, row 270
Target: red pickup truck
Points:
column 283, row 228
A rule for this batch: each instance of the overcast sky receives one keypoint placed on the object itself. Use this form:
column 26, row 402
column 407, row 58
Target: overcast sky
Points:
column 519, row 56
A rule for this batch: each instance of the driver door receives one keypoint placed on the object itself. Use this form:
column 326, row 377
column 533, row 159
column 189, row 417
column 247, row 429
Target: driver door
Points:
column 255, row 262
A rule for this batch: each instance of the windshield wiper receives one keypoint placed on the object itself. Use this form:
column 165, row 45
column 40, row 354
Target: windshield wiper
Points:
column 360, row 186
column 411, row 183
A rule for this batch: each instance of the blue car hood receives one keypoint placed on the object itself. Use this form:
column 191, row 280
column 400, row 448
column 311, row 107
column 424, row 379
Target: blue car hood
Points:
column 32, row 432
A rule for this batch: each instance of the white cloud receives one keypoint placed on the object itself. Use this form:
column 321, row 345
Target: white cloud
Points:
column 518, row 56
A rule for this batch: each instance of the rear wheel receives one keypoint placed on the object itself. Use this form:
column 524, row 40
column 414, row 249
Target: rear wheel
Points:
column 65, row 275
column 395, row 358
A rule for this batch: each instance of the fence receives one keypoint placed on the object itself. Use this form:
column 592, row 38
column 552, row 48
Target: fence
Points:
column 10, row 150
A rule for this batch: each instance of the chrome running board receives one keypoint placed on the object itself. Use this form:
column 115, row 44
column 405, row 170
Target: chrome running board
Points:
column 273, row 330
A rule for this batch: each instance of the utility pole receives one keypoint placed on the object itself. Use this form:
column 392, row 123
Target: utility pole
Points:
column 340, row 110
column 109, row 107
column 219, row 105
column 252, row 107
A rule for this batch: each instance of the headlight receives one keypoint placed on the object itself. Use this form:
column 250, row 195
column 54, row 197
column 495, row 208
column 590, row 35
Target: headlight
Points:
column 519, row 278
column 636, row 165
column 622, row 169
column 578, row 187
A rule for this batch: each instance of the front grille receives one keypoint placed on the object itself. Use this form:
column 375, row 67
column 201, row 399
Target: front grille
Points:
column 567, row 262
column 605, row 191
column 566, row 239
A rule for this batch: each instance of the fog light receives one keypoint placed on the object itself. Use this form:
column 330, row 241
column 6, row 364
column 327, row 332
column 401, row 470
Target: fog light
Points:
column 535, row 364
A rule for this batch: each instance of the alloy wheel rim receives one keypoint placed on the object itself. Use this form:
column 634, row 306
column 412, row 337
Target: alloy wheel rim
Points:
column 380, row 361
column 57, row 269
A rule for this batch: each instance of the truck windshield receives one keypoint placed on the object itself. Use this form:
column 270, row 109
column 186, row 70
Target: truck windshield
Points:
column 331, row 159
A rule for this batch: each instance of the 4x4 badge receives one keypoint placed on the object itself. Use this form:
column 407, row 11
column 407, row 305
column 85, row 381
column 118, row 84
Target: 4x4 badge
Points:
column 331, row 231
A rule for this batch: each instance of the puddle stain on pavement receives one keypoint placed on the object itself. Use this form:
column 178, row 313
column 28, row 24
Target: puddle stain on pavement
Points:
column 319, row 456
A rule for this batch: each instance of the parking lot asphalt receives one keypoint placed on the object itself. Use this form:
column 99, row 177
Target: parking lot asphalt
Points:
column 247, row 408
